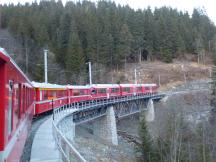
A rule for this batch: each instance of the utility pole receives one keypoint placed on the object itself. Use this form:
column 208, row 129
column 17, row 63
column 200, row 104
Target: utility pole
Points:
column 140, row 56
column 185, row 79
column 90, row 74
column 139, row 79
column 45, row 66
column 159, row 80
column 135, row 76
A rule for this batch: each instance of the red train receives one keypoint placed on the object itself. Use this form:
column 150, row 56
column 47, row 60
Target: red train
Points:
column 49, row 96
column 16, row 109
column 20, row 99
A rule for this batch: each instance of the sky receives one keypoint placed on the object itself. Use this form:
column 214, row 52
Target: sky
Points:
column 183, row 5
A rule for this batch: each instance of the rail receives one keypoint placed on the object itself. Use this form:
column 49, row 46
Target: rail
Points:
column 68, row 152
column 62, row 112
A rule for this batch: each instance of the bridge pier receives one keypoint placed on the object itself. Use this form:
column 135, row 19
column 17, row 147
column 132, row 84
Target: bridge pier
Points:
column 150, row 113
column 105, row 127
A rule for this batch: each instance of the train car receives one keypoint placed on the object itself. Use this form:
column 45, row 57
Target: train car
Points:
column 150, row 88
column 16, row 109
column 49, row 96
column 139, row 89
column 127, row 89
column 100, row 91
column 78, row 93
column 114, row 90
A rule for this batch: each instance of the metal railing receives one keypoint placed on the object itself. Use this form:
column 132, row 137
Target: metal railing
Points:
column 62, row 112
column 68, row 152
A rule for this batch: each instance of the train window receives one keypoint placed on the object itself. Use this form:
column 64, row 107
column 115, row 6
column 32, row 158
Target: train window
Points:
column 114, row 90
column 22, row 98
column 139, row 88
column 19, row 100
column 82, row 92
column 126, row 89
column 25, row 97
column 76, row 92
column 102, row 90
column 41, row 95
column 54, row 94
column 147, row 88
column 45, row 95
column 93, row 91
column 10, row 104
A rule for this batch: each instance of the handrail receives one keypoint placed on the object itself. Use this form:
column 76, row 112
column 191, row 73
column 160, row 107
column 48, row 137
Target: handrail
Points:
column 68, row 151
column 64, row 144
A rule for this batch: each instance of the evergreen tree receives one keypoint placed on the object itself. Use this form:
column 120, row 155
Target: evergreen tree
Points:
column 74, row 57
column 124, row 46
column 146, row 147
column 109, row 34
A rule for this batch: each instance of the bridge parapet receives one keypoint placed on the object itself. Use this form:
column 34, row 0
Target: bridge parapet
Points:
column 83, row 112
column 65, row 147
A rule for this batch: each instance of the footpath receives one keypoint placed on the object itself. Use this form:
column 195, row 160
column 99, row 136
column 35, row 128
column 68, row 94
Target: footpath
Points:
column 43, row 147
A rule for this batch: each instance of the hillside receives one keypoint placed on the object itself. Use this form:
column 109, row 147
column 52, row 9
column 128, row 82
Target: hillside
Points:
column 168, row 75
column 104, row 33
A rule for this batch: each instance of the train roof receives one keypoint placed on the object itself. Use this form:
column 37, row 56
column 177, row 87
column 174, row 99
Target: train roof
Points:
column 127, row 85
column 4, row 52
column 149, row 85
column 105, row 85
column 78, row 86
column 48, row 85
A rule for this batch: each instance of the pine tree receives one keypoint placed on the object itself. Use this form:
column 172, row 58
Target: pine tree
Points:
column 146, row 147
column 124, row 45
column 74, row 57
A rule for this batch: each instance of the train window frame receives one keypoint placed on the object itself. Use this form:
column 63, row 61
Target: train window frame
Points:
column 76, row 92
column 139, row 88
column 82, row 92
column 10, row 107
column 147, row 88
column 127, row 89
column 93, row 91
column 102, row 90
column 45, row 95
column 19, row 99
column 114, row 90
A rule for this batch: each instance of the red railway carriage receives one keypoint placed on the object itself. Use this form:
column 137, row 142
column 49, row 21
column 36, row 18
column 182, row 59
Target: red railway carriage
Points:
column 127, row 89
column 16, row 109
column 49, row 96
column 139, row 89
column 114, row 90
column 150, row 88
column 78, row 93
column 105, row 91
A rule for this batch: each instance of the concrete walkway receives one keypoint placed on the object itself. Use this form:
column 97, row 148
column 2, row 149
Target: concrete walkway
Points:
column 43, row 147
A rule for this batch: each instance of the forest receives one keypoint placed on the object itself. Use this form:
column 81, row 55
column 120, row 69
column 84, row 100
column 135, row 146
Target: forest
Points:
column 104, row 33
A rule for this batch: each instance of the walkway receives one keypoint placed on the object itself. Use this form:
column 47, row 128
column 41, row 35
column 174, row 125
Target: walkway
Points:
column 43, row 147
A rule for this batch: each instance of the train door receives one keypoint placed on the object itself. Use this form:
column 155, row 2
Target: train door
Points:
column 10, row 106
